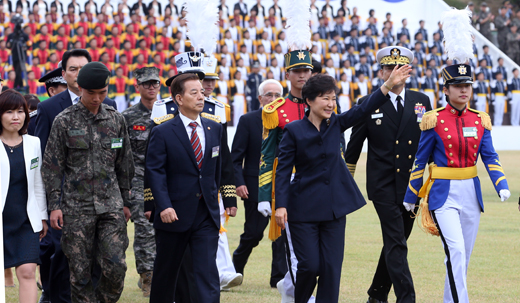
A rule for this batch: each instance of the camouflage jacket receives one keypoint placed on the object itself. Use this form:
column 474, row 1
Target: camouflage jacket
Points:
column 91, row 154
column 138, row 125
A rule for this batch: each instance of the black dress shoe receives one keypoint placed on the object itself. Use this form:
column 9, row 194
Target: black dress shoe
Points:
column 44, row 298
column 372, row 300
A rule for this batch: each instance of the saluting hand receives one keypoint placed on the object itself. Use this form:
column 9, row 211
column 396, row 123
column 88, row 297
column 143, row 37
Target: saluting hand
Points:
column 281, row 217
column 399, row 75
column 169, row 215
column 56, row 219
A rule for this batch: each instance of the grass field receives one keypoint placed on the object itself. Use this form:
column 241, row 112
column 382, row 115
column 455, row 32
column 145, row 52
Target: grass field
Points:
column 493, row 276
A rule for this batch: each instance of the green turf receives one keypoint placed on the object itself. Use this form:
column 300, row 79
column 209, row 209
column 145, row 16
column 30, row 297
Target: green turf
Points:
column 492, row 275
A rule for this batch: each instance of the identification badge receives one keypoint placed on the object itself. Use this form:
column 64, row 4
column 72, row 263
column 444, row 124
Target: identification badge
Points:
column 139, row 127
column 76, row 132
column 116, row 143
column 214, row 151
column 469, row 132
column 377, row 116
column 34, row 162
column 420, row 110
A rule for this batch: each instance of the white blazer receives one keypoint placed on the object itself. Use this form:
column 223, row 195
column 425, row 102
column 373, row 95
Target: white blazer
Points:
column 36, row 203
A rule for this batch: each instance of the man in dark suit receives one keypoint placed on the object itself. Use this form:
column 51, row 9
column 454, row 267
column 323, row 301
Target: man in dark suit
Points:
column 246, row 156
column 393, row 135
column 72, row 62
column 240, row 5
column 183, row 170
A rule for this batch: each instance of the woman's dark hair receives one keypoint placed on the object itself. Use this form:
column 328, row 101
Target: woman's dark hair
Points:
column 13, row 100
column 32, row 101
column 317, row 86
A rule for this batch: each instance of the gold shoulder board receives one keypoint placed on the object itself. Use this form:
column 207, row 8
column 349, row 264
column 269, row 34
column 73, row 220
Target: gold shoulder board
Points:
column 270, row 114
column 163, row 119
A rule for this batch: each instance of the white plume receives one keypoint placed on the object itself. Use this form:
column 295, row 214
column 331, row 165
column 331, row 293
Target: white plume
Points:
column 298, row 16
column 458, row 38
column 201, row 23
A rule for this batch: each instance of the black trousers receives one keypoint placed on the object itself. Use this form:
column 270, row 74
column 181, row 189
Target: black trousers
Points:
column 254, row 227
column 203, row 240
column 319, row 248
column 392, row 269
column 186, row 288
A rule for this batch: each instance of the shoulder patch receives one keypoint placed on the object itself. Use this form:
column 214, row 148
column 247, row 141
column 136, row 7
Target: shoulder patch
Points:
column 429, row 120
column 163, row 119
column 270, row 114
column 485, row 119
column 210, row 117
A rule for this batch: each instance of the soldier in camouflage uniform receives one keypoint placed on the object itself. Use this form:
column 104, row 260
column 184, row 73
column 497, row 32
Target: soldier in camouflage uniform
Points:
column 89, row 165
column 137, row 120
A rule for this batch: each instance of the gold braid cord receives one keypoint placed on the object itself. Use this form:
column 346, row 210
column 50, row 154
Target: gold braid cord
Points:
column 429, row 120
column 228, row 191
column 148, row 194
column 484, row 118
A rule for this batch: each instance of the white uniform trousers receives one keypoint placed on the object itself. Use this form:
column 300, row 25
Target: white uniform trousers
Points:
column 344, row 103
column 515, row 108
column 480, row 104
column 224, row 262
column 431, row 95
column 121, row 102
column 458, row 221
column 239, row 108
column 499, row 109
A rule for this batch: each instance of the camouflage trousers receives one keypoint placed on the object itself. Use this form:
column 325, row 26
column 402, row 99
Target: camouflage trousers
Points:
column 104, row 237
column 144, row 238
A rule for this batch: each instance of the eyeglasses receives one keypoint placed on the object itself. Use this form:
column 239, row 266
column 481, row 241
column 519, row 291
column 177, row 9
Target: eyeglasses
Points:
column 148, row 84
column 272, row 95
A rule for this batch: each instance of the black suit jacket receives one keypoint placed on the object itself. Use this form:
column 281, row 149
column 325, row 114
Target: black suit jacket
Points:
column 245, row 152
column 49, row 109
column 392, row 145
column 242, row 12
column 175, row 179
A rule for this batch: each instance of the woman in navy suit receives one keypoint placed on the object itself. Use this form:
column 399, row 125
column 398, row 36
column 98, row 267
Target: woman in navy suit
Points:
column 24, row 207
column 316, row 201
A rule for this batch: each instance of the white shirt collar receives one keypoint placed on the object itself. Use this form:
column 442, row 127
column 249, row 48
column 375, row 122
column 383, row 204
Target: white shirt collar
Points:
column 186, row 121
column 73, row 97
column 393, row 96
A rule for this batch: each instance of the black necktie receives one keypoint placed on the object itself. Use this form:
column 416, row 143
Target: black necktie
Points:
column 400, row 108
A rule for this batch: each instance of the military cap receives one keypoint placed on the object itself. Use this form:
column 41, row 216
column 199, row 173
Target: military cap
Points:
column 189, row 62
column 394, row 55
column 54, row 76
column 94, row 75
column 210, row 68
column 457, row 73
column 147, row 74
column 298, row 59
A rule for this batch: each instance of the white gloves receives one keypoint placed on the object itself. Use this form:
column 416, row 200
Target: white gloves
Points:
column 504, row 194
column 264, row 208
column 409, row 206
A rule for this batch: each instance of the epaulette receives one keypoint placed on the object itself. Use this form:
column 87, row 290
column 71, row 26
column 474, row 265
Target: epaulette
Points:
column 270, row 115
column 228, row 112
column 163, row 119
column 485, row 119
column 429, row 120
column 210, row 117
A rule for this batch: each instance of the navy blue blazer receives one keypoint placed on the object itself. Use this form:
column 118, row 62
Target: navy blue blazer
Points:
column 174, row 177
column 245, row 152
column 49, row 109
column 323, row 188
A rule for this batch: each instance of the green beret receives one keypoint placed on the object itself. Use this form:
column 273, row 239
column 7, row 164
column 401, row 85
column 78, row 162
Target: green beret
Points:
column 94, row 75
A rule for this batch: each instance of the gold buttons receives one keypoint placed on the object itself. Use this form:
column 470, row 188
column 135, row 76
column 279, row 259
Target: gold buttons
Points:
column 436, row 114
column 451, row 154
column 449, row 137
column 451, row 162
column 475, row 146
column 287, row 120
column 474, row 162
column 476, row 137
column 285, row 115
column 450, row 146
column 410, row 170
column 396, row 141
column 476, row 122
column 446, row 129
column 282, row 111
column 398, row 170
column 410, row 142
column 409, row 156
column 478, row 115
column 397, row 156
column 442, row 121
column 475, row 154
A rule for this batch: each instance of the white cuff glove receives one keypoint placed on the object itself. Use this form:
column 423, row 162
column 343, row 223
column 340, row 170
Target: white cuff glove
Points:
column 504, row 194
column 264, row 208
column 409, row 206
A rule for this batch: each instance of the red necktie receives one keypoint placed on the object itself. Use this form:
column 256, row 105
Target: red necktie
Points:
column 195, row 143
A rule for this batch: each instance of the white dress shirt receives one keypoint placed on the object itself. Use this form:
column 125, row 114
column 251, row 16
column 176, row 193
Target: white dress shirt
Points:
column 200, row 131
column 393, row 98
column 73, row 97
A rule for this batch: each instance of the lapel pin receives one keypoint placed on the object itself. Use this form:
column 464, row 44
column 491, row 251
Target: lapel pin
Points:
column 209, row 128
column 378, row 122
